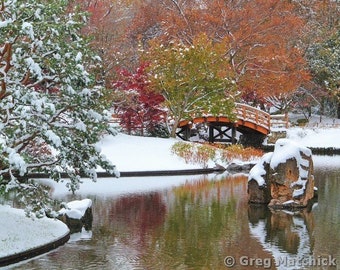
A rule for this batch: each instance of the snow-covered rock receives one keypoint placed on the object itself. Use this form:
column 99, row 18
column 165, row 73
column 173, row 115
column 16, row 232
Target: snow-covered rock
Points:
column 283, row 178
column 77, row 214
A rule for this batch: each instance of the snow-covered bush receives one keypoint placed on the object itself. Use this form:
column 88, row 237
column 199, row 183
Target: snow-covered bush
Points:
column 194, row 153
column 50, row 114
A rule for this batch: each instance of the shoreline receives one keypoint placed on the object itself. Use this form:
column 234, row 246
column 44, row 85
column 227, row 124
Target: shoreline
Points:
column 34, row 252
column 322, row 151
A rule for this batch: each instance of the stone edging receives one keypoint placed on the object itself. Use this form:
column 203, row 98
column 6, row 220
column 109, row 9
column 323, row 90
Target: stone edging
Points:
column 137, row 173
column 33, row 252
column 327, row 151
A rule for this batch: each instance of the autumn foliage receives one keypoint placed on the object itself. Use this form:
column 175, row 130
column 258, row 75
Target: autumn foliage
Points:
column 136, row 105
column 265, row 40
column 261, row 36
column 203, row 153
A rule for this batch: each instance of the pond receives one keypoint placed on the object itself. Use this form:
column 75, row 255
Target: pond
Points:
column 203, row 224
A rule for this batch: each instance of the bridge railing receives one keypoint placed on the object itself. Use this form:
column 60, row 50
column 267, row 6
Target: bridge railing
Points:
column 279, row 121
column 252, row 114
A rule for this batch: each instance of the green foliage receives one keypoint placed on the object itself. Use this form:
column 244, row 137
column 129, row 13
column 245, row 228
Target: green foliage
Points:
column 51, row 114
column 324, row 60
column 193, row 79
column 183, row 150
column 203, row 153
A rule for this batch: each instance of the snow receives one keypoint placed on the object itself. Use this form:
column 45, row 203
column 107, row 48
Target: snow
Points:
column 76, row 209
column 53, row 138
column 5, row 23
column 79, row 57
column 19, row 233
column 258, row 171
column 34, row 67
column 28, row 29
column 130, row 153
column 133, row 153
column 313, row 137
column 284, row 150
column 17, row 162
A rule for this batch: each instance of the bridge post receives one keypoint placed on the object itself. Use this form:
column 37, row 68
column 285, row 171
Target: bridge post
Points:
column 233, row 134
column 211, row 133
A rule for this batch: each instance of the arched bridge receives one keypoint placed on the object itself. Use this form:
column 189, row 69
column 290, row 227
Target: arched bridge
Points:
column 251, row 126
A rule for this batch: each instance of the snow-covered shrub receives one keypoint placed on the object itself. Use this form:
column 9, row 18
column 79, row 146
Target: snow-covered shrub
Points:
column 183, row 150
column 195, row 153
column 50, row 114
column 203, row 154
column 237, row 151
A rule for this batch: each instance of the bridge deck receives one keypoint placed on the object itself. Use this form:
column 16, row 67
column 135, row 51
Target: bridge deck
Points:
column 248, row 119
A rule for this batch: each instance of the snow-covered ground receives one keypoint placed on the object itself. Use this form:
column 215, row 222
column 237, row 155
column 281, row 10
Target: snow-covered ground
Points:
column 130, row 153
column 315, row 137
column 19, row 233
column 133, row 153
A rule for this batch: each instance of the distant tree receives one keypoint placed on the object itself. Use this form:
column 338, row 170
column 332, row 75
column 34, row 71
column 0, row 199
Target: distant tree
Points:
column 192, row 79
column 136, row 104
column 50, row 117
column 108, row 25
column 324, row 60
column 322, row 20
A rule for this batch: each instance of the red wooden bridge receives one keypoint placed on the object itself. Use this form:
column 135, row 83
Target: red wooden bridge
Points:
column 253, row 124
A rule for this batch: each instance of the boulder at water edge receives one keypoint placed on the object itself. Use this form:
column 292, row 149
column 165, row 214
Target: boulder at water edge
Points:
column 77, row 214
column 283, row 178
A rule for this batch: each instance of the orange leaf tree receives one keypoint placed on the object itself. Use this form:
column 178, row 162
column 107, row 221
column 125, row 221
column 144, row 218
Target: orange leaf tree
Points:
column 261, row 37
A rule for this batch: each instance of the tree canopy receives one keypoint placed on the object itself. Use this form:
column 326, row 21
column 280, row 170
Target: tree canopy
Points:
column 50, row 117
column 192, row 79
column 261, row 38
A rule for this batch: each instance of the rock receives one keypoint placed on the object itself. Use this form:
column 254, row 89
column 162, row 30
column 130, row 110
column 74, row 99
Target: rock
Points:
column 77, row 214
column 284, row 178
column 258, row 194
column 276, row 135
column 258, row 183
column 238, row 168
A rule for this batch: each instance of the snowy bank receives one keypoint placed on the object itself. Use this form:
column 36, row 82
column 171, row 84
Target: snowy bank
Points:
column 19, row 233
column 315, row 137
column 134, row 153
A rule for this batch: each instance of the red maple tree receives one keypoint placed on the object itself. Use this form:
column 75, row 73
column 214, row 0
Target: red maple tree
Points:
column 137, row 106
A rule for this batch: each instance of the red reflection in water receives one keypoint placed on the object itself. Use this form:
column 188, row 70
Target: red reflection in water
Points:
column 140, row 213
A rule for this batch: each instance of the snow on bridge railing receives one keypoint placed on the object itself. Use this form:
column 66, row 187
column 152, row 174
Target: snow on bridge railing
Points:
column 251, row 114
column 279, row 121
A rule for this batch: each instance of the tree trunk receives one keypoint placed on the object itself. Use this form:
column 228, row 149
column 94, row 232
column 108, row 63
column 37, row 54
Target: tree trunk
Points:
column 174, row 128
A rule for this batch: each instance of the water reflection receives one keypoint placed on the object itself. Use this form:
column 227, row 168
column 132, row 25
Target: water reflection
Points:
column 201, row 220
column 195, row 226
column 287, row 235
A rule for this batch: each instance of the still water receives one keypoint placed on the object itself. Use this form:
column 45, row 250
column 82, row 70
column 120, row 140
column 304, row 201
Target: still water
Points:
column 203, row 224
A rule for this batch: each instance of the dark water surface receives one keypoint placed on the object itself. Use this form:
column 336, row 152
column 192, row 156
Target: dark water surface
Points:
column 204, row 225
